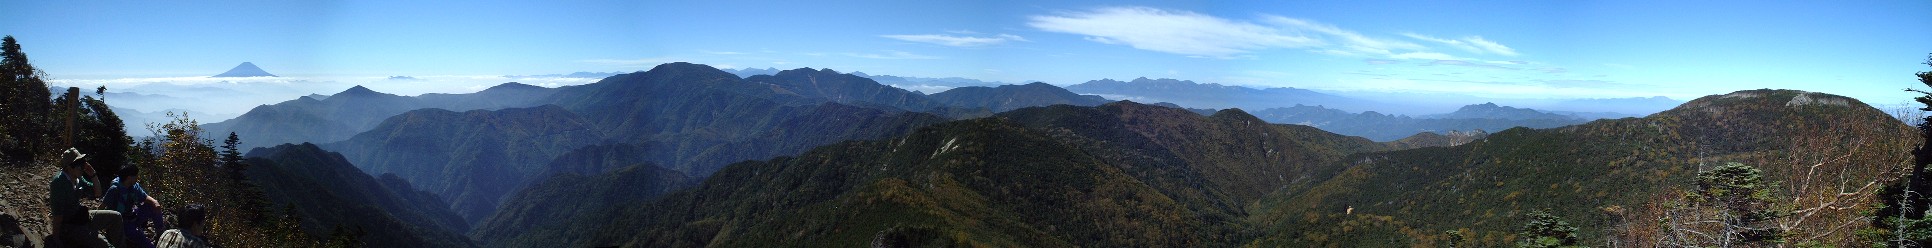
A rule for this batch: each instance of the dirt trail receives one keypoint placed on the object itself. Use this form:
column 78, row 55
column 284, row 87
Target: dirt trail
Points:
column 23, row 194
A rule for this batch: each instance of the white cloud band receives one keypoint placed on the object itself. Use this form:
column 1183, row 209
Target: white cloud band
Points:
column 956, row 41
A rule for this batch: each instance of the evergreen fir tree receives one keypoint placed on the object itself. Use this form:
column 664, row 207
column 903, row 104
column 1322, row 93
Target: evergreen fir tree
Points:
column 1900, row 220
column 231, row 157
column 1546, row 230
column 23, row 104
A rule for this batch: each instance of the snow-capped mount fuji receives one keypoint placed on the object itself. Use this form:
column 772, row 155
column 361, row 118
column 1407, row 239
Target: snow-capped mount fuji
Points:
column 246, row 69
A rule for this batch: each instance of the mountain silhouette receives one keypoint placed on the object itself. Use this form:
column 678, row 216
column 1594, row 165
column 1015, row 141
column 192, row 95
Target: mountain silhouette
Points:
column 1384, row 127
column 358, row 109
column 305, row 119
column 1493, row 111
column 1010, row 97
column 246, row 69
column 1218, row 96
column 472, row 158
column 843, row 88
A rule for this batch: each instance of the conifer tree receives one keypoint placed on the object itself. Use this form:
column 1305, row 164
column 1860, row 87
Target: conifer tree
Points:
column 231, row 157
column 100, row 133
column 24, row 104
column 1900, row 220
column 1730, row 205
column 1545, row 230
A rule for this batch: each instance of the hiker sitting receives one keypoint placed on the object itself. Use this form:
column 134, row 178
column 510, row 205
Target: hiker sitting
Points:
column 75, row 225
column 136, row 206
column 192, row 221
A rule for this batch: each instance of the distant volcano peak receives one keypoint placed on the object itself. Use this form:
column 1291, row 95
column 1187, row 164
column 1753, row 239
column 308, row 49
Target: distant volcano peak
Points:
column 246, row 69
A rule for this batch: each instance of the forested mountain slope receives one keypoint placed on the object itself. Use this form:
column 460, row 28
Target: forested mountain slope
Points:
column 471, row 158
column 1118, row 174
column 1615, row 178
column 328, row 192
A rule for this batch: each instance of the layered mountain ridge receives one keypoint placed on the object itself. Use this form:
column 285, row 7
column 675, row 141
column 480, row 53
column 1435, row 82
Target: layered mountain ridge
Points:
column 1001, row 172
column 355, row 110
column 1231, row 179
column 1210, row 95
column 1487, row 117
column 1609, row 174
column 699, row 145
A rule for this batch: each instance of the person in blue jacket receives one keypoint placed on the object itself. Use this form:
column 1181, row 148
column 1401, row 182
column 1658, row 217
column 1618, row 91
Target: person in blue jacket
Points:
column 137, row 208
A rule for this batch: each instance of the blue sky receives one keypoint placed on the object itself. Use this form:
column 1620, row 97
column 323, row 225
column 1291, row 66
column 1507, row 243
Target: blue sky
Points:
column 1554, row 49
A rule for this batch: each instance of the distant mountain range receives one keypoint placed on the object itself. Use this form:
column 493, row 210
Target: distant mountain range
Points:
column 136, row 120
column 689, row 155
column 1493, row 111
column 358, row 109
column 928, row 85
column 686, row 117
column 331, row 118
column 1216, row 96
column 477, row 149
column 749, row 72
column 1128, row 174
column 1383, row 127
column 842, row 88
column 923, row 85
column 1011, row 97
column 245, row 69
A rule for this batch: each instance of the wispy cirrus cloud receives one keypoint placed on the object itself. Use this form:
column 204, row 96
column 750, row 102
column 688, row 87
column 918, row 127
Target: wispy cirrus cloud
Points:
column 1177, row 32
column 892, row 55
column 1473, row 44
column 956, row 40
column 1346, row 42
column 1201, row 35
